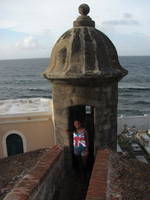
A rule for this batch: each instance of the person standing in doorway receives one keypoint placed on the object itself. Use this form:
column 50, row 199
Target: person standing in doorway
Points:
column 80, row 145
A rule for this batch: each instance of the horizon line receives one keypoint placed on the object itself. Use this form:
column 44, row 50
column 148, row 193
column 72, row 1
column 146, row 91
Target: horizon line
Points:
column 49, row 57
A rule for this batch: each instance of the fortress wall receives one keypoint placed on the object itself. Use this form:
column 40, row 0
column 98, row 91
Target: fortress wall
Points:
column 98, row 184
column 44, row 180
column 103, row 98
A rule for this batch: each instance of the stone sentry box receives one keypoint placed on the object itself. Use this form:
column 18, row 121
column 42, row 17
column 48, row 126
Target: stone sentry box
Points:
column 84, row 71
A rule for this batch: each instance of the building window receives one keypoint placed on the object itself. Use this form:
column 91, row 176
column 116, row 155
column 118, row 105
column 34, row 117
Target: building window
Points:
column 14, row 144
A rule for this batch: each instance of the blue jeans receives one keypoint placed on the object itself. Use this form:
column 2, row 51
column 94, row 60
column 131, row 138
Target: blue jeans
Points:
column 79, row 150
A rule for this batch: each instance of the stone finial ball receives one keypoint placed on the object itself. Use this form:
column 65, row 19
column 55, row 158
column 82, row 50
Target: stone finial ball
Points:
column 84, row 9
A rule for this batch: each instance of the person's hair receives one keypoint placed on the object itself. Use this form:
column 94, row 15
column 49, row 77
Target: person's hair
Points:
column 81, row 122
column 76, row 120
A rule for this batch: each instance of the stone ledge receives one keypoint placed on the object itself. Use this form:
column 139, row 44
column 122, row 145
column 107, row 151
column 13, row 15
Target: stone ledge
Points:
column 98, row 183
column 26, row 187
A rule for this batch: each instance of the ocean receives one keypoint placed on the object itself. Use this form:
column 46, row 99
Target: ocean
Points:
column 23, row 79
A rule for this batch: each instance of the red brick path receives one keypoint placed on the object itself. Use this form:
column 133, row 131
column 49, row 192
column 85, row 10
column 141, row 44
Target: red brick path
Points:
column 30, row 182
column 97, row 189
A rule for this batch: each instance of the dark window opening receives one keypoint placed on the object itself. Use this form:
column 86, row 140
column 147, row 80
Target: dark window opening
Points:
column 14, row 144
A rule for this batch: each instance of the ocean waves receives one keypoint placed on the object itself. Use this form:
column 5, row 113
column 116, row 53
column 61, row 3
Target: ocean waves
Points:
column 23, row 79
column 134, row 88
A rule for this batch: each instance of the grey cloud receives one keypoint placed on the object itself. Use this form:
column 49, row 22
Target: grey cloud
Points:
column 121, row 22
column 128, row 15
column 28, row 42
column 127, row 20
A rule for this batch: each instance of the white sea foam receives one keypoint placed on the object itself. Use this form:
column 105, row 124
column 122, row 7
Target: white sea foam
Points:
column 20, row 106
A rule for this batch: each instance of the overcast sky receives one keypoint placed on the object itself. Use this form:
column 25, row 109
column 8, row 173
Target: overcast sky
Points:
column 29, row 28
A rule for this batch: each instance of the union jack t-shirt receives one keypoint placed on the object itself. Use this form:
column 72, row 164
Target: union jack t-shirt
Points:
column 79, row 139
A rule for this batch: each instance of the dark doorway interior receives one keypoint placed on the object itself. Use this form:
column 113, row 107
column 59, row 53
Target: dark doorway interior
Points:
column 84, row 114
column 14, row 144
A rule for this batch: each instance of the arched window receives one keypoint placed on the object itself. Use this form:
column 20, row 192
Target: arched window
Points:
column 14, row 144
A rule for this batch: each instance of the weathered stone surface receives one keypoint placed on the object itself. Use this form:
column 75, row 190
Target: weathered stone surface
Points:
column 21, row 163
column 44, row 180
column 104, row 100
column 85, row 70
column 84, row 52
column 128, row 178
column 84, row 9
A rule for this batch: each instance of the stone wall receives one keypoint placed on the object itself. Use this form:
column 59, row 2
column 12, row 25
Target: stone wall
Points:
column 103, row 97
column 43, row 181
column 98, row 184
